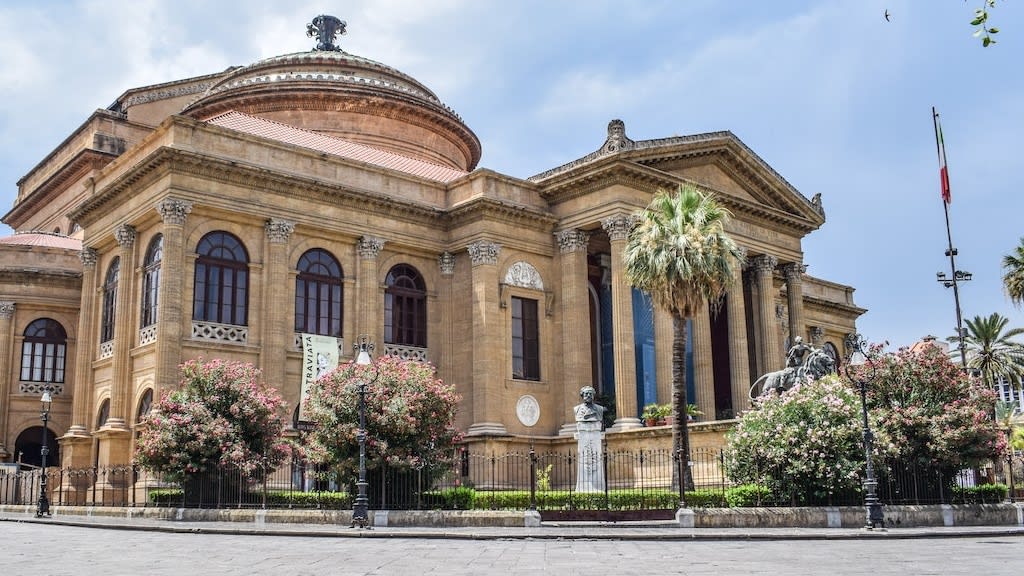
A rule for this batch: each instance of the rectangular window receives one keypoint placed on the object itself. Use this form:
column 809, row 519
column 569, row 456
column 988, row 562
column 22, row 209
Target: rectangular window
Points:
column 525, row 340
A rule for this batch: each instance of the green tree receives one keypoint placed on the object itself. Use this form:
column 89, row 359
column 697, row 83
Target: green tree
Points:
column 1013, row 274
column 410, row 417
column 993, row 353
column 680, row 254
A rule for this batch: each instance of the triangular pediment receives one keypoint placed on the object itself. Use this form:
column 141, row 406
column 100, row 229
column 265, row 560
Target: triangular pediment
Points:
column 717, row 161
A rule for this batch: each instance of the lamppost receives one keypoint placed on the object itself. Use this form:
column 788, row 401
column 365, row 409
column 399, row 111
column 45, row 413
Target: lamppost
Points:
column 954, row 283
column 43, row 508
column 856, row 362
column 360, row 512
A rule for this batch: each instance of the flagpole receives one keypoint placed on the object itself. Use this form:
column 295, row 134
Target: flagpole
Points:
column 957, row 275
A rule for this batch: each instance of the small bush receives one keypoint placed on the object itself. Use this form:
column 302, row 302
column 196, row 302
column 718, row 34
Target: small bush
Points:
column 321, row 500
column 981, row 494
column 747, row 495
column 704, row 499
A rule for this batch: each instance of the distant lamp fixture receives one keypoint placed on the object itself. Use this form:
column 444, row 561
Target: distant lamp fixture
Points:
column 860, row 369
column 360, row 507
column 43, row 506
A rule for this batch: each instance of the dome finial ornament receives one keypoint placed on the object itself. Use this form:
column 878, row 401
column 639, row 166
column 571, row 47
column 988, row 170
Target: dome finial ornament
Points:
column 326, row 29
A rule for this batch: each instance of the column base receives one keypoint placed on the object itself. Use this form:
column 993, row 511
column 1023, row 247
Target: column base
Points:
column 625, row 424
column 487, row 429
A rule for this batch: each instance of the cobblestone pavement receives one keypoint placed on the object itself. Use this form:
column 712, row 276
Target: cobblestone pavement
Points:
column 39, row 548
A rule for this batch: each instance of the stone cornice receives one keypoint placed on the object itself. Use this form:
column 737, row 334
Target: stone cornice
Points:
column 491, row 209
column 41, row 277
column 832, row 306
column 84, row 162
column 164, row 160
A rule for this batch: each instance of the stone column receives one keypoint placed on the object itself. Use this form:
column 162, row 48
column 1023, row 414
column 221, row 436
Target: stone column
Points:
column 278, row 294
column 123, row 328
column 488, row 353
column 764, row 267
column 6, row 376
column 794, row 274
column 367, row 286
column 626, row 411
column 173, row 323
column 445, row 352
column 75, row 445
column 575, row 312
column 703, row 363
column 739, row 364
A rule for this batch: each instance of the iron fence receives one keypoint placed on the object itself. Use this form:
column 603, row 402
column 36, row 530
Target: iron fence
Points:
column 548, row 481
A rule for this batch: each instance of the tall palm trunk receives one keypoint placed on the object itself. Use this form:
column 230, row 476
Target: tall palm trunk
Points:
column 680, row 431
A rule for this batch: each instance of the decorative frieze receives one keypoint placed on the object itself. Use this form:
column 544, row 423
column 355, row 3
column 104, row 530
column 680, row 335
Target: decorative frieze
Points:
column 279, row 231
column 125, row 235
column 369, row 247
column 174, row 211
column 483, row 252
column 524, row 275
column 6, row 310
column 572, row 241
column 447, row 263
column 618, row 226
column 88, row 256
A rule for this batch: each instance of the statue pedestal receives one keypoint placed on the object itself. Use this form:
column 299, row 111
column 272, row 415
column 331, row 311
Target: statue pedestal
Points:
column 590, row 457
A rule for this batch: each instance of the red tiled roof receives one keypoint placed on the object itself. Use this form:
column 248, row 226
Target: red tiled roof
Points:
column 41, row 239
column 333, row 145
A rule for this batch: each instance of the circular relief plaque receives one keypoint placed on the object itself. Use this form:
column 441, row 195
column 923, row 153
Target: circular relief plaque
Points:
column 528, row 410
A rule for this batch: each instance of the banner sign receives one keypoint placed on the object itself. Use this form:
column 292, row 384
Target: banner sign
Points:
column 319, row 357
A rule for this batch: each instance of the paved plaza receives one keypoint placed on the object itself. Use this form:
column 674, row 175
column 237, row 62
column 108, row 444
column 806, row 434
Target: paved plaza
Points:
column 57, row 549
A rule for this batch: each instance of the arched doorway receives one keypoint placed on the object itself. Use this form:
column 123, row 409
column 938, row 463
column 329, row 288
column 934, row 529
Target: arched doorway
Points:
column 29, row 444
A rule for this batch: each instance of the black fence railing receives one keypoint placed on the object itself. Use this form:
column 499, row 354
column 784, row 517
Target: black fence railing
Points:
column 632, row 480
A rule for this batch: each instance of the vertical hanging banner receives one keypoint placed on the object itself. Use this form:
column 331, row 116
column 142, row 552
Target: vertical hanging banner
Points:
column 319, row 357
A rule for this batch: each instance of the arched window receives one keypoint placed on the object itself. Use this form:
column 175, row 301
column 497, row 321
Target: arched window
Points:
column 109, row 301
column 405, row 307
column 221, row 281
column 43, row 352
column 318, row 294
column 145, row 405
column 151, row 280
column 104, row 414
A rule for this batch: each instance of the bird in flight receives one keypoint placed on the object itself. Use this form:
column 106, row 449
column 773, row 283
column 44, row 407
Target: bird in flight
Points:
column 887, row 15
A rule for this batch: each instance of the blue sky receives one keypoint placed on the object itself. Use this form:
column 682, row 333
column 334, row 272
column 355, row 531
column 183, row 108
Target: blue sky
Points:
column 835, row 98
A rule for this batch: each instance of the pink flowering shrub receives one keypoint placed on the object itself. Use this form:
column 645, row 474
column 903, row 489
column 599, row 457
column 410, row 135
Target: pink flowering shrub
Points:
column 222, row 415
column 410, row 416
column 804, row 445
column 930, row 412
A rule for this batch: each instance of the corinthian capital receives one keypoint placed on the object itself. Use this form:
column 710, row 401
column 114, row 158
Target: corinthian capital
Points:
column 794, row 271
column 88, row 256
column 174, row 211
column 369, row 247
column 278, row 231
column 125, row 235
column 764, row 264
column 572, row 241
column 483, row 252
column 618, row 226
column 6, row 310
column 447, row 263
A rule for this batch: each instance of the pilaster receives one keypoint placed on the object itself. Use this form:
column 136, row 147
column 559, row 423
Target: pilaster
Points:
column 82, row 389
column 703, row 367
column 488, row 321
column 172, row 320
column 445, row 364
column 739, row 361
column 275, row 326
column 123, row 327
column 8, row 375
column 367, row 286
column 764, row 268
column 794, row 274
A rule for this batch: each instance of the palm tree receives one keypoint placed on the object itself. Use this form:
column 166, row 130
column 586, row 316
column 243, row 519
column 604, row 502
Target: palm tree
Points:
column 993, row 353
column 1013, row 274
column 680, row 255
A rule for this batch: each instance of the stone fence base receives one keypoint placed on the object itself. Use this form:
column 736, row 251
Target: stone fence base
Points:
column 1004, row 514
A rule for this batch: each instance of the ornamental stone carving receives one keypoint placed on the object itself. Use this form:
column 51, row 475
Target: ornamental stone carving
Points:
column 125, row 235
column 617, row 140
column 278, row 231
column 794, row 270
column 174, row 211
column 483, row 252
column 572, row 241
column 524, row 275
column 817, row 334
column 764, row 263
column 6, row 310
column 369, row 247
column 447, row 263
column 618, row 226
column 88, row 256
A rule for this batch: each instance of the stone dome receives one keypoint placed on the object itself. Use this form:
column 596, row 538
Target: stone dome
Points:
column 333, row 92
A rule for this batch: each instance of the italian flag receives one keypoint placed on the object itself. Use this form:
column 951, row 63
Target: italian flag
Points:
column 943, row 171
